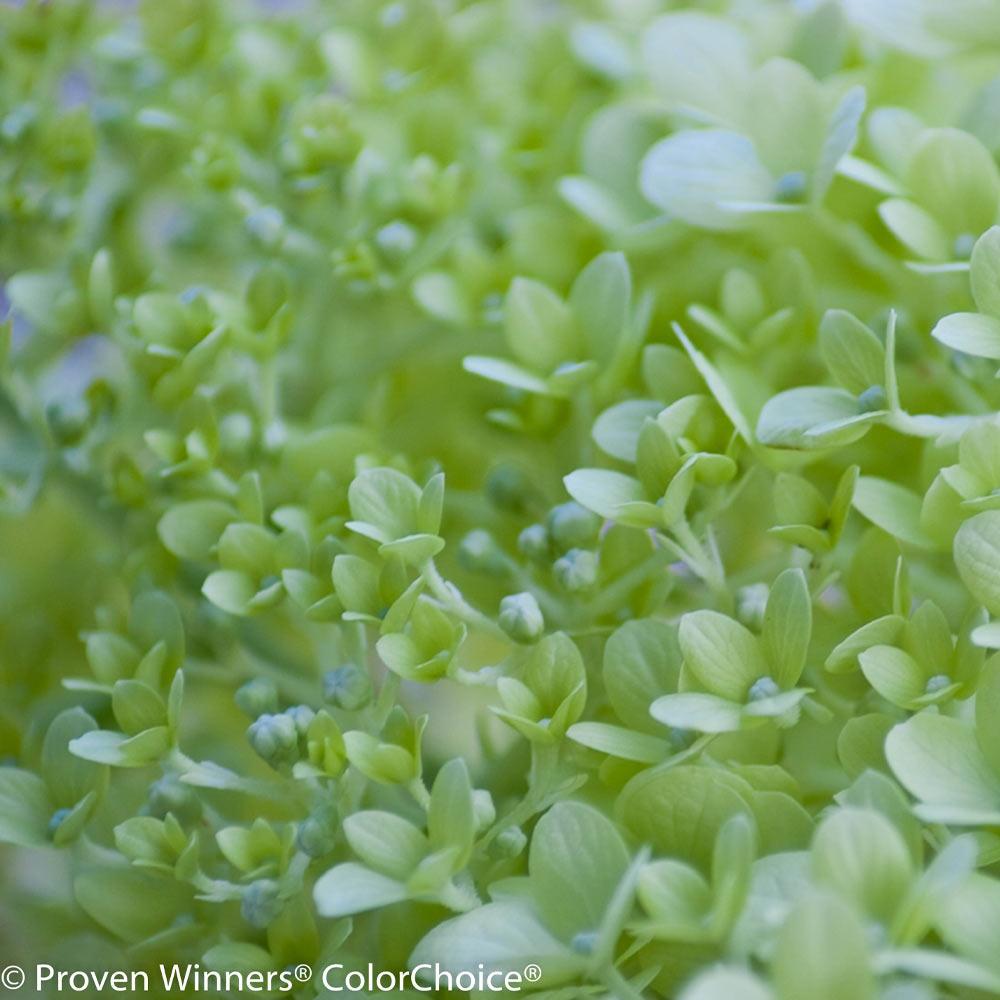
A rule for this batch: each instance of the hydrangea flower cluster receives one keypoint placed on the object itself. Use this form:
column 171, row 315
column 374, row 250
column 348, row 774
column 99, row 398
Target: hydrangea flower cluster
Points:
column 501, row 483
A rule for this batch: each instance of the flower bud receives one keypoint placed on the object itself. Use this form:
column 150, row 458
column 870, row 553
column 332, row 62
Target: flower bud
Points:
column 572, row 526
column 509, row 488
column 509, row 843
column 396, row 241
column 872, row 399
column 483, row 809
column 275, row 738
column 348, row 687
column 521, row 617
column 478, row 552
column 261, row 903
column 301, row 716
column 533, row 542
column 577, row 570
column 258, row 697
column 317, row 834
column 56, row 821
column 751, row 601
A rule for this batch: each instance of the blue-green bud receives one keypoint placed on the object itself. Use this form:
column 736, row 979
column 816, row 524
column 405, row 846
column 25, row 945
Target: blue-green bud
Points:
column 872, row 399
column 763, row 687
column 301, row 716
column 791, row 187
column 509, row 488
column 521, row 617
column 262, row 903
column 478, row 552
column 56, row 821
column 258, row 697
column 396, row 241
column 572, row 526
column 533, row 542
column 963, row 246
column 317, row 834
column 751, row 601
column 348, row 687
column 577, row 570
column 275, row 738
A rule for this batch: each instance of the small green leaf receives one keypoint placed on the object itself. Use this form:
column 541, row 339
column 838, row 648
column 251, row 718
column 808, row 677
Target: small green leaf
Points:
column 603, row 491
column 642, row 661
column 191, row 530
column 822, row 952
column 694, row 174
column 813, row 417
column 854, row 355
column 600, row 299
column 681, row 810
column 617, row 741
column 861, row 855
column 893, row 508
column 984, row 273
column 351, row 888
column 704, row 713
column 25, row 808
column 977, row 556
column 506, row 373
column 787, row 627
column 970, row 333
column 504, row 936
column 723, row 654
column 450, row 816
column 576, row 862
column 938, row 760
column 538, row 325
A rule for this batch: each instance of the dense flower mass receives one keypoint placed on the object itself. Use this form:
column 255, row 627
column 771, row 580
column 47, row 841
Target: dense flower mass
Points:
column 490, row 485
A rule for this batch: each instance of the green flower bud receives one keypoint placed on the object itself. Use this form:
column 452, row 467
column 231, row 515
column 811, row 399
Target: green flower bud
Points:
column 258, row 697
column 483, row 810
column 478, row 552
column 275, row 738
column 317, row 834
column 301, row 716
column 521, row 617
column 572, row 526
column 262, row 903
column 509, row 488
column 750, row 604
column 509, row 843
column 533, row 542
column 348, row 687
column 396, row 241
column 577, row 570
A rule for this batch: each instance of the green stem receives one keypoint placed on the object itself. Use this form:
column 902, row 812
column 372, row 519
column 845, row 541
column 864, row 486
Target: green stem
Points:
column 451, row 599
column 618, row 986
